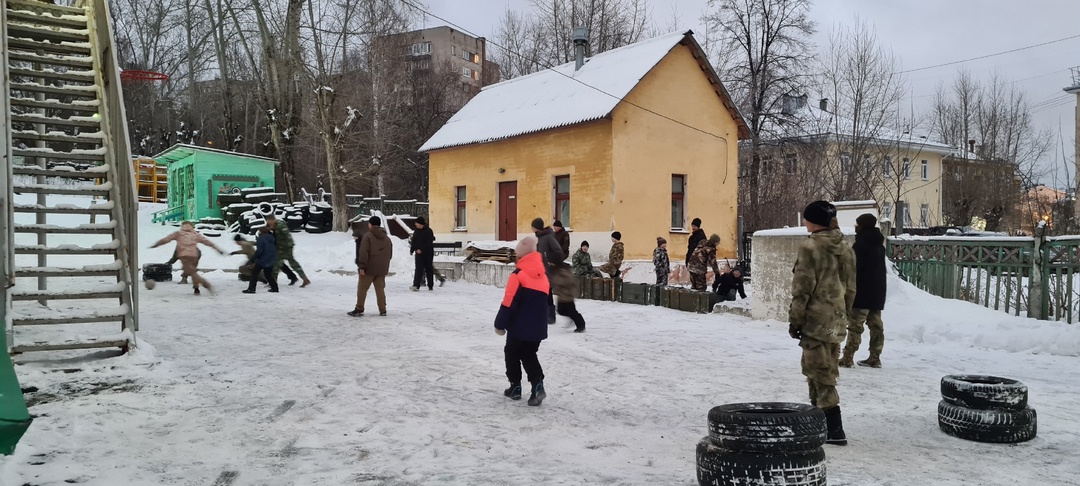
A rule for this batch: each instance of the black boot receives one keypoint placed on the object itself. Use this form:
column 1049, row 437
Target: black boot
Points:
column 538, row 394
column 835, row 426
column 514, row 392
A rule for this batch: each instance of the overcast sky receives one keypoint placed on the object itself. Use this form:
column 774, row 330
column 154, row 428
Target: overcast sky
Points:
column 920, row 32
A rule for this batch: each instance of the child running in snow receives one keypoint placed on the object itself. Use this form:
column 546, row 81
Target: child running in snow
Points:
column 263, row 259
column 187, row 251
column 523, row 319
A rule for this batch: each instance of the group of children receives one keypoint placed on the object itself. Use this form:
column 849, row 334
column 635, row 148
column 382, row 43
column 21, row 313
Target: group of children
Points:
column 271, row 252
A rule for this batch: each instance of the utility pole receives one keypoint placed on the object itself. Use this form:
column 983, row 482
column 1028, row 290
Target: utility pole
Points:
column 1075, row 89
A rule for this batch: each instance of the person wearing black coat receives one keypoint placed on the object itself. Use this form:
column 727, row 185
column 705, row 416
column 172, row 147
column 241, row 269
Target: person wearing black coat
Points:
column 422, row 246
column 697, row 235
column 869, row 294
column 729, row 283
column 548, row 248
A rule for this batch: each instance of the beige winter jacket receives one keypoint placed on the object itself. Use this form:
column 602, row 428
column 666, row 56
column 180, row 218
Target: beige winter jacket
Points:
column 187, row 243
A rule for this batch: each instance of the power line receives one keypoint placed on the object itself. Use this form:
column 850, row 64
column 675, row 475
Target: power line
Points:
column 552, row 68
column 990, row 55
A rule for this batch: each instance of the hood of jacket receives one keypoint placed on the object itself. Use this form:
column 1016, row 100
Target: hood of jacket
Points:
column 531, row 265
column 544, row 232
column 870, row 236
column 378, row 232
column 831, row 240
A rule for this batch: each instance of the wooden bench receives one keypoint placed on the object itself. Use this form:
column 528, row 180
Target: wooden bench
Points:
column 452, row 248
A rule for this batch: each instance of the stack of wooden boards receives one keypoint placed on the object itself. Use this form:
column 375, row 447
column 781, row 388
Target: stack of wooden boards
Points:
column 501, row 255
column 615, row 290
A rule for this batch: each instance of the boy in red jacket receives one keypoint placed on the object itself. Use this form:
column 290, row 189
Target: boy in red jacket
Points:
column 523, row 319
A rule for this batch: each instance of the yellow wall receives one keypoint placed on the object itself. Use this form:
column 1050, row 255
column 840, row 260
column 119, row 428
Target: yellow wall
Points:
column 648, row 149
column 583, row 151
column 915, row 191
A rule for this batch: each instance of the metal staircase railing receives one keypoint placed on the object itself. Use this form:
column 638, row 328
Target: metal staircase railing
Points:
column 64, row 109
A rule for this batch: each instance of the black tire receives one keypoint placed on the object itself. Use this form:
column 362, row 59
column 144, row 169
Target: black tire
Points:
column 716, row 467
column 982, row 392
column 769, row 427
column 995, row 426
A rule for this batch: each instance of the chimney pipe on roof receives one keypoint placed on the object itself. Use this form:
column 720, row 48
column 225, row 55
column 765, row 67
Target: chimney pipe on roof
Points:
column 581, row 41
column 823, row 104
column 971, row 146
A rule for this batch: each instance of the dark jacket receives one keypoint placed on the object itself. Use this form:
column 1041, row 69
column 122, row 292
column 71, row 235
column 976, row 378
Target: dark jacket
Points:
column 524, row 310
column 869, row 269
column 265, row 250
column 548, row 248
column 423, row 239
column 374, row 251
column 696, row 237
column 564, row 242
column 728, row 282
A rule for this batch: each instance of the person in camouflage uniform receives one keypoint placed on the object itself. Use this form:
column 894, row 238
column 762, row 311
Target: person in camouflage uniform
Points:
column 583, row 266
column 285, row 250
column 661, row 264
column 615, row 256
column 704, row 257
column 822, row 293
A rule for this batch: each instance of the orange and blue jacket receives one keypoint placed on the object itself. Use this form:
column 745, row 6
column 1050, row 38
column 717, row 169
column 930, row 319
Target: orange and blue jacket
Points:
column 524, row 310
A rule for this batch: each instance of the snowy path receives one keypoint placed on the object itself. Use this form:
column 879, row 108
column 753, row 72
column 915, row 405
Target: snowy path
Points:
column 286, row 390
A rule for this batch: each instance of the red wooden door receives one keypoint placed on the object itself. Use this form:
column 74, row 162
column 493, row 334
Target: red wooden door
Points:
column 508, row 211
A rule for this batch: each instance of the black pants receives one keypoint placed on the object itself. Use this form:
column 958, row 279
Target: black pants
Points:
column 522, row 354
column 569, row 309
column 288, row 272
column 268, row 273
column 425, row 267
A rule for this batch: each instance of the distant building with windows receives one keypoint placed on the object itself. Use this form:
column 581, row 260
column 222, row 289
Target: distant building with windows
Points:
column 640, row 139
column 463, row 54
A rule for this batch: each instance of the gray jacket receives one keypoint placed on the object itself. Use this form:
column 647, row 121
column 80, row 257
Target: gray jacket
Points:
column 549, row 248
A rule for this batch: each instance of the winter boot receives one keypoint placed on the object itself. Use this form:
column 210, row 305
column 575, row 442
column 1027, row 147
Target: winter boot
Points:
column 306, row 282
column 514, row 392
column 835, row 426
column 414, row 288
column 442, row 280
column 872, row 362
column 538, row 394
column 183, row 281
column 848, row 360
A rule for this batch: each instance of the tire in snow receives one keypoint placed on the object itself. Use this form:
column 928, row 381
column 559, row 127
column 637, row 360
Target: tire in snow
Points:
column 995, row 426
column 767, row 427
column 719, row 467
column 982, row 392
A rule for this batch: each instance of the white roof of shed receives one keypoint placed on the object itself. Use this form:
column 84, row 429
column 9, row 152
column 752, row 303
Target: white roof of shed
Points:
column 559, row 96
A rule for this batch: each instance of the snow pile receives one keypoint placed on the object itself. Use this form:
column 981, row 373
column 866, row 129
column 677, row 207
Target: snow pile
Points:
column 490, row 245
column 916, row 316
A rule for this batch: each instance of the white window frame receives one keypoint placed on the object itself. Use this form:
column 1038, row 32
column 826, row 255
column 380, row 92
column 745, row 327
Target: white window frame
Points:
column 466, row 72
column 907, row 169
column 886, row 209
column 887, row 166
column 845, row 164
column 421, row 48
column 924, row 215
column 925, row 170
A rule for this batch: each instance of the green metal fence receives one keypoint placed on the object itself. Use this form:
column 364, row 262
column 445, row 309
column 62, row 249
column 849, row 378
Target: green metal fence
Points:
column 1034, row 277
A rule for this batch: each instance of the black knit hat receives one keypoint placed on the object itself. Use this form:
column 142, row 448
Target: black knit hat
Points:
column 421, row 220
column 375, row 221
column 584, row 243
column 617, row 235
column 557, row 223
column 538, row 223
column 660, row 240
column 866, row 221
column 820, row 213
column 696, row 222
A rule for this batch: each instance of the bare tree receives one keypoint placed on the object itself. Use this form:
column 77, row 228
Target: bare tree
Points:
column 543, row 38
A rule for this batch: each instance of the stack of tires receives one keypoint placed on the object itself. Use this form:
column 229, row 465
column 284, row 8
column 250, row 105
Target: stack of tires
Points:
column 986, row 409
column 758, row 444
column 320, row 218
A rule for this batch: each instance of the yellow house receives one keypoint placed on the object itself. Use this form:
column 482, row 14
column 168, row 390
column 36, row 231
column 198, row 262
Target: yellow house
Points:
column 640, row 140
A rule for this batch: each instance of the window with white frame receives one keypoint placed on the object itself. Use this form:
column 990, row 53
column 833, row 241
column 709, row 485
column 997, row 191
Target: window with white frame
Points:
column 678, row 201
column 791, row 163
column 466, row 72
column 453, row 50
column 886, row 166
column 459, row 207
column 421, row 48
column 766, row 165
column 886, row 210
column 906, row 210
column 907, row 168
column 845, row 164
column 925, row 169
column 562, row 200
column 924, row 214
column 868, row 162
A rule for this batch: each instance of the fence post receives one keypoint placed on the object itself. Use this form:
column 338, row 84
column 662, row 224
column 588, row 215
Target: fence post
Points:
column 1036, row 297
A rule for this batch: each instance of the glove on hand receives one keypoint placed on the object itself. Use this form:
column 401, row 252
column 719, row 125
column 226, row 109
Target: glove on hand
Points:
column 794, row 332
column 500, row 332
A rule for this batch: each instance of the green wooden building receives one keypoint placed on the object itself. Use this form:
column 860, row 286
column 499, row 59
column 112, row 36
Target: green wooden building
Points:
column 197, row 175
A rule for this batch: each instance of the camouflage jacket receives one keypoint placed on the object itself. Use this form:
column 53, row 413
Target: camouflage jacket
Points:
column 563, row 282
column 703, row 258
column 283, row 237
column 660, row 260
column 583, row 263
column 823, row 287
column 615, row 257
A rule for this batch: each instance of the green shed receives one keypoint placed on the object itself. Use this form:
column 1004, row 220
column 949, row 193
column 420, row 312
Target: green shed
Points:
column 198, row 174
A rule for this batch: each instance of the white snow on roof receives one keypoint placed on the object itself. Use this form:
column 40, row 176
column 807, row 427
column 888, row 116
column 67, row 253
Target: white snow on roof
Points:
column 554, row 97
column 811, row 122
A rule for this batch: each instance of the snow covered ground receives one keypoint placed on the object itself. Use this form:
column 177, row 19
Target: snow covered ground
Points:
column 284, row 389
